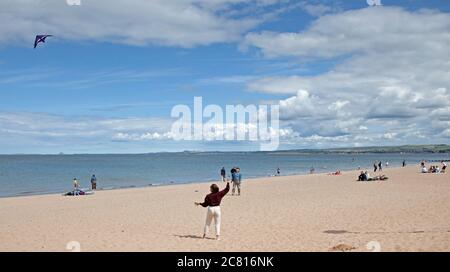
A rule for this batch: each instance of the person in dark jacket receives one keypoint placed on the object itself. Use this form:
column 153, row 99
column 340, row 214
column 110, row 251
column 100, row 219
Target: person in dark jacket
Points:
column 223, row 174
column 212, row 203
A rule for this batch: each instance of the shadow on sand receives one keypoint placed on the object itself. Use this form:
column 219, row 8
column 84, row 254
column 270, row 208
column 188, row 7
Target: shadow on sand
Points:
column 193, row 237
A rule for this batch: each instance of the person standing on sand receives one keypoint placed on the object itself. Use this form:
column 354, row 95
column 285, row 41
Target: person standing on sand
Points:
column 223, row 174
column 380, row 166
column 375, row 167
column 212, row 203
column 278, row 171
column 76, row 185
column 93, row 183
column 236, row 179
column 404, row 163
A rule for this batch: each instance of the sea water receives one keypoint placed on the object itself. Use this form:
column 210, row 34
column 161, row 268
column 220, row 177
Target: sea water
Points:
column 42, row 174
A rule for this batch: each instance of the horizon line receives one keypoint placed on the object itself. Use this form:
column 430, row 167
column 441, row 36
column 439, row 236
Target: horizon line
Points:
column 245, row 151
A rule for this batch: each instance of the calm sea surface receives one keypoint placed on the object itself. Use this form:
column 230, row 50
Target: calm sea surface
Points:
column 41, row 174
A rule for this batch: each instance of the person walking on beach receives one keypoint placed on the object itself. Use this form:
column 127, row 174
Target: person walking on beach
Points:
column 212, row 203
column 404, row 163
column 236, row 179
column 375, row 167
column 76, row 185
column 93, row 183
column 223, row 174
column 278, row 171
column 380, row 166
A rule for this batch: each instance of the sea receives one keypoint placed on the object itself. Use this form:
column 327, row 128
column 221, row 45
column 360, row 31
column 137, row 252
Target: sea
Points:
column 45, row 174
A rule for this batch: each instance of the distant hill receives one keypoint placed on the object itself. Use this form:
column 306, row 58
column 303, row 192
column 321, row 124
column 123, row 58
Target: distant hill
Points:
column 440, row 148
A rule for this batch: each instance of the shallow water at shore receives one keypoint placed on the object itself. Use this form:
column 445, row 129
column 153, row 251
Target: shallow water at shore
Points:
column 42, row 174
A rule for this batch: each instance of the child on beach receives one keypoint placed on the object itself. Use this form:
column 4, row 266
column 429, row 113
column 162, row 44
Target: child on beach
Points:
column 212, row 202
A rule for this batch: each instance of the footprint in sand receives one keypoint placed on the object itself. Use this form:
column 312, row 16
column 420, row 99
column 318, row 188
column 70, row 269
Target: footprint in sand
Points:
column 342, row 247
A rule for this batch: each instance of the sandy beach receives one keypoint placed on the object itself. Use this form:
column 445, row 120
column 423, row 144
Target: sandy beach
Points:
column 319, row 212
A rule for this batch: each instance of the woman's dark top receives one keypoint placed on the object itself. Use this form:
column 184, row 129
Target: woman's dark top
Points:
column 213, row 199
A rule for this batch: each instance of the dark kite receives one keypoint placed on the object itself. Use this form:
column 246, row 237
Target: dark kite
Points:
column 40, row 39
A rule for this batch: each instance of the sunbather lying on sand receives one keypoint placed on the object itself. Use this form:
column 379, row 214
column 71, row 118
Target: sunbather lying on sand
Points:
column 380, row 177
column 364, row 176
column 337, row 173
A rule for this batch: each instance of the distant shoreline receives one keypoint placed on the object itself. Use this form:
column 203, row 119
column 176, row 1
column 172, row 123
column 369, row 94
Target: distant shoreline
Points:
column 406, row 149
column 31, row 187
column 169, row 184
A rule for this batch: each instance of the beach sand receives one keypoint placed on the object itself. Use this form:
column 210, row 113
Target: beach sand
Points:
column 408, row 212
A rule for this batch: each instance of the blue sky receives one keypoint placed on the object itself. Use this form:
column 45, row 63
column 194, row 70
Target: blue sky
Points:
column 101, row 73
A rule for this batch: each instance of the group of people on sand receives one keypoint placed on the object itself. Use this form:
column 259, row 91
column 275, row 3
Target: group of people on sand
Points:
column 433, row 168
column 76, row 187
column 378, row 165
column 235, row 178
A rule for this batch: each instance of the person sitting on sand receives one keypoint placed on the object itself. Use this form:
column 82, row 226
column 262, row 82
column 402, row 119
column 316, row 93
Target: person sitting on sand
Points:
column 236, row 179
column 424, row 169
column 437, row 169
column 432, row 169
column 362, row 176
column 76, row 188
column 212, row 202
